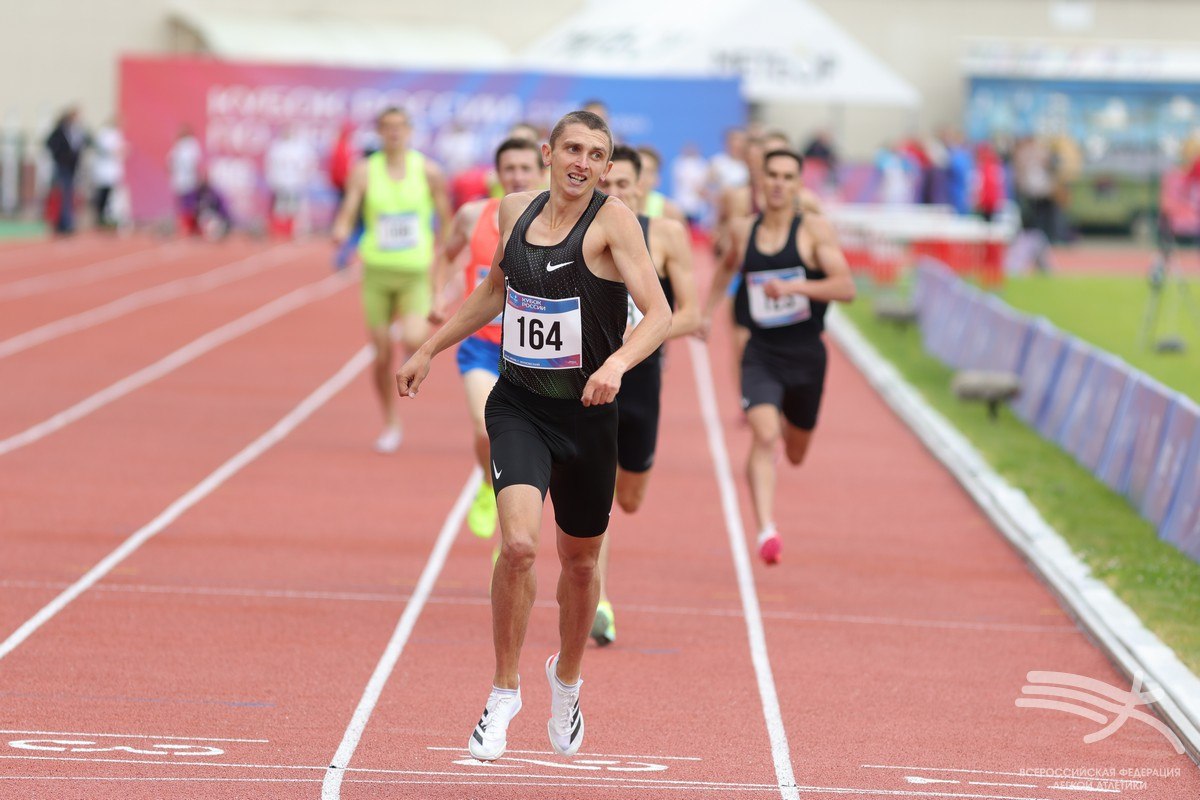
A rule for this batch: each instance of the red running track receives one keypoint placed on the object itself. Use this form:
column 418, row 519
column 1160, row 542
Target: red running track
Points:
column 226, row 654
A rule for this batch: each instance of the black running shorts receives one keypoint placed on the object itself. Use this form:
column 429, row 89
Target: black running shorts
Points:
column 792, row 380
column 559, row 446
column 637, row 415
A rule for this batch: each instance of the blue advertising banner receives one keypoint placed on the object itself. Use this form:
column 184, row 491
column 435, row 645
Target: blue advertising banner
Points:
column 1090, row 422
column 1010, row 336
column 1075, row 361
column 238, row 109
column 1136, row 439
column 1182, row 427
column 1039, row 371
column 1183, row 523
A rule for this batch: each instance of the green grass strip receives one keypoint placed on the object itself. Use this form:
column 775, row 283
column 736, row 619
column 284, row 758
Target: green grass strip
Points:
column 1157, row 581
column 1110, row 311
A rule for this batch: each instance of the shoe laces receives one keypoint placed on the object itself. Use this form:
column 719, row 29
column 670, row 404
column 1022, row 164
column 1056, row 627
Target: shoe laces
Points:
column 567, row 700
column 497, row 709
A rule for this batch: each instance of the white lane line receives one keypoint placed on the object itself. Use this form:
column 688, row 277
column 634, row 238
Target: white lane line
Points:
column 138, row 736
column 464, row 751
column 584, row 782
column 193, row 284
column 331, row 785
column 707, row 396
column 727, row 613
column 1025, row 774
column 167, row 364
column 90, row 273
column 252, row 451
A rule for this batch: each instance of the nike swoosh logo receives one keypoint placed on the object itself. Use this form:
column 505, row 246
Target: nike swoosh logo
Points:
column 495, row 471
column 552, row 267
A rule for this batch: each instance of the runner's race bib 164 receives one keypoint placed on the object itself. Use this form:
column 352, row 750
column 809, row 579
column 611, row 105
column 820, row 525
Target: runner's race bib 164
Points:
column 397, row 231
column 541, row 333
column 776, row 312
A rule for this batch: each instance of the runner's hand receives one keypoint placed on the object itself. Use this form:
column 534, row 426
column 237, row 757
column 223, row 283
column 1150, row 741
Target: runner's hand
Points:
column 412, row 374
column 603, row 386
column 437, row 314
column 703, row 329
column 775, row 289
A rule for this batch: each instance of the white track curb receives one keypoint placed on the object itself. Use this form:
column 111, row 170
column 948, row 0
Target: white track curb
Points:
column 1131, row 646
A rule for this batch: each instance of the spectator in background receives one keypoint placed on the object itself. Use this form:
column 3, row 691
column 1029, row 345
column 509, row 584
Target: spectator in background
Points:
column 991, row 182
column 960, row 171
column 1033, row 174
column 342, row 159
column 289, row 165
column 727, row 169
column 203, row 211
column 820, row 153
column 66, row 144
column 108, row 172
column 895, row 172
column 185, row 162
column 689, row 176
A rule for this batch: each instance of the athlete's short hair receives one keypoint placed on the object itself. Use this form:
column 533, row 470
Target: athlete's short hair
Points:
column 586, row 118
column 799, row 159
column 519, row 143
column 387, row 112
column 646, row 151
column 777, row 134
column 626, row 153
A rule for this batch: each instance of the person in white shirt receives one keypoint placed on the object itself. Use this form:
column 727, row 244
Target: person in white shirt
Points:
column 108, row 171
column 728, row 168
column 184, row 163
column 289, row 166
column 689, row 174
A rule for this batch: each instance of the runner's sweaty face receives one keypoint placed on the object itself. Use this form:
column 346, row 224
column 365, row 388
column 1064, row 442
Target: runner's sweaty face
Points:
column 578, row 160
column 781, row 182
column 519, row 171
column 393, row 132
column 622, row 183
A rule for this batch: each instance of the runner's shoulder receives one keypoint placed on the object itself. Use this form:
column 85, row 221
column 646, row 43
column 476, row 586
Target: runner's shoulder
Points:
column 668, row 229
column 512, row 205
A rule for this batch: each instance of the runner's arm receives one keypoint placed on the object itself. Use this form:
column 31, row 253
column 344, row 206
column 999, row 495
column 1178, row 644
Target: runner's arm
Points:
column 726, row 269
column 443, row 259
column 837, row 285
column 632, row 259
column 481, row 306
column 441, row 202
column 686, row 318
column 356, row 189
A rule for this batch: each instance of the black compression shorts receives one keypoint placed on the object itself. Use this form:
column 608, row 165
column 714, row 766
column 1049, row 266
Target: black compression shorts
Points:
column 792, row 380
column 637, row 415
column 559, row 446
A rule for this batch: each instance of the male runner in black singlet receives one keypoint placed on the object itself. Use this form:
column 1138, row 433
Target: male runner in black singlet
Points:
column 566, row 260
column 639, row 402
column 792, row 268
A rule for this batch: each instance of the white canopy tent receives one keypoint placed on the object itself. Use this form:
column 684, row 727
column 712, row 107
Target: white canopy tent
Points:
column 784, row 50
column 342, row 42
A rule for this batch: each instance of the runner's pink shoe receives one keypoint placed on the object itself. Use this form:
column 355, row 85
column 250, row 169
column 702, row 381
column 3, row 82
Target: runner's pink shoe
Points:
column 770, row 545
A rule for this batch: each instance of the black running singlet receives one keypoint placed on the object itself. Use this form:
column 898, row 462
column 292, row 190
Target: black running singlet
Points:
column 561, row 322
column 784, row 320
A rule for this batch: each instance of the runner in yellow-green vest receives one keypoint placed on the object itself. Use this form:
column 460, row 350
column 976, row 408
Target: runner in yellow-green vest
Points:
column 405, row 211
column 654, row 203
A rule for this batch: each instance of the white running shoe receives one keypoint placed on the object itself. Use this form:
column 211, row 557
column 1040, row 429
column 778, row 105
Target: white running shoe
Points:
column 490, row 736
column 566, row 720
column 389, row 440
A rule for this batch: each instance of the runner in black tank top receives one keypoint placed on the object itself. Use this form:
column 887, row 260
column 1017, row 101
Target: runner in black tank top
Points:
column 639, row 403
column 553, row 354
column 551, row 419
column 791, row 269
